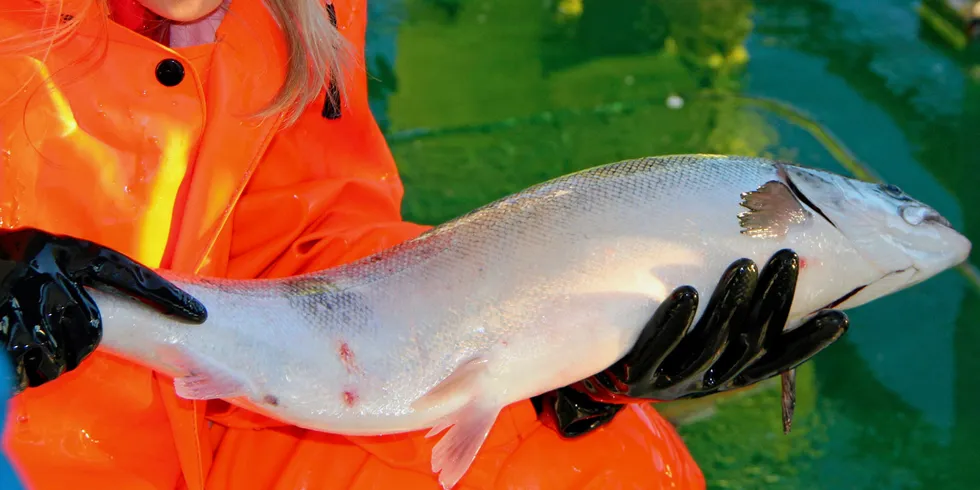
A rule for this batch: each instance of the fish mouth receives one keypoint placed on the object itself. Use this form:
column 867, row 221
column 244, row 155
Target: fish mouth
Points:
column 839, row 301
column 935, row 217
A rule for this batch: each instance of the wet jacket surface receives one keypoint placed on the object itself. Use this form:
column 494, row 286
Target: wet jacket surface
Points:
column 152, row 151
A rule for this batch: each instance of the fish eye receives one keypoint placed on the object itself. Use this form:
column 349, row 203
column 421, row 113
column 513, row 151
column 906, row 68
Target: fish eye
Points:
column 892, row 190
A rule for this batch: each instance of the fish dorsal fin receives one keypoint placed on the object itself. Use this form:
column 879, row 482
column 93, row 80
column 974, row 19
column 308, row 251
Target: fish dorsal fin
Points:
column 772, row 211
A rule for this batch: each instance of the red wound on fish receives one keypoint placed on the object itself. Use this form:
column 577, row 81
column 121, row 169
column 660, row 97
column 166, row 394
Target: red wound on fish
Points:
column 802, row 263
column 350, row 398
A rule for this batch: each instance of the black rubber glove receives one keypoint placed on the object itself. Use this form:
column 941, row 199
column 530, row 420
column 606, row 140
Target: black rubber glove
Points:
column 48, row 322
column 738, row 341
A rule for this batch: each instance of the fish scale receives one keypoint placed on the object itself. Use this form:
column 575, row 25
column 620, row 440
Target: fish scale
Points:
column 529, row 293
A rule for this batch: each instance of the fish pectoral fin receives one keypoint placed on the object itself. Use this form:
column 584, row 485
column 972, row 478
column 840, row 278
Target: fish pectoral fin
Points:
column 468, row 426
column 462, row 381
column 455, row 452
column 772, row 211
column 204, row 379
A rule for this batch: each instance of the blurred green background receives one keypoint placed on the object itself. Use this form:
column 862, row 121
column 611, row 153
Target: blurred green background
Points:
column 480, row 98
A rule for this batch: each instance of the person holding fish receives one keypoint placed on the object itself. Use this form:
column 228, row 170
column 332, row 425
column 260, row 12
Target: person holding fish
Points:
column 233, row 139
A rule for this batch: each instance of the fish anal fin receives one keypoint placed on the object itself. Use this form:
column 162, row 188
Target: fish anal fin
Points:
column 462, row 381
column 772, row 211
column 455, row 452
column 203, row 378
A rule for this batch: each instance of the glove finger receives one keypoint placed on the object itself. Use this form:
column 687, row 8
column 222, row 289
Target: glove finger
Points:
column 796, row 347
column 702, row 347
column 659, row 337
column 779, row 298
column 20, row 342
column 40, row 366
column 113, row 269
column 32, row 342
column 15, row 246
column 77, row 322
column 16, row 242
column 770, row 307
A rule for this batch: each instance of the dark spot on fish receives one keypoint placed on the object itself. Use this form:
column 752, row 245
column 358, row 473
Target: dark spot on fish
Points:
column 350, row 398
column 271, row 400
column 332, row 306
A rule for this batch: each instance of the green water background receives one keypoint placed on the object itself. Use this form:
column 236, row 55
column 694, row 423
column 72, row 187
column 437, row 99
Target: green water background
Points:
column 480, row 98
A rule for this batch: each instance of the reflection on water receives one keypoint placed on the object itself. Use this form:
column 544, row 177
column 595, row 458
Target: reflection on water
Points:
column 482, row 98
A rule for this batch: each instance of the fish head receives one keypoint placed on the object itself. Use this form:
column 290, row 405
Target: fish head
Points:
column 906, row 240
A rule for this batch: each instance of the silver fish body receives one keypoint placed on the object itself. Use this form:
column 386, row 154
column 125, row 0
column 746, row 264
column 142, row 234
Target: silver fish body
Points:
column 527, row 294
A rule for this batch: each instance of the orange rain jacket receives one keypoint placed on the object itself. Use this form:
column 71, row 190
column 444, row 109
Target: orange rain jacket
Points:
column 179, row 177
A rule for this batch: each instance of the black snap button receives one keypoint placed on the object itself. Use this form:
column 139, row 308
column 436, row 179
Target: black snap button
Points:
column 170, row 72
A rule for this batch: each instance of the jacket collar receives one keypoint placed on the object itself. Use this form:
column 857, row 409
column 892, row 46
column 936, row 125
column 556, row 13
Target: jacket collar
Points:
column 247, row 68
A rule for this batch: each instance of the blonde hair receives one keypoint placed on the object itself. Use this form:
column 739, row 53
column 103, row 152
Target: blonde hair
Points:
column 317, row 52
